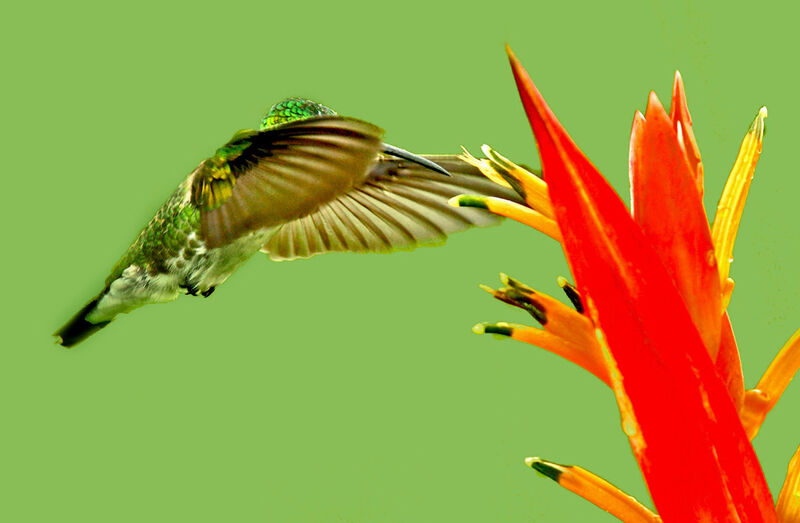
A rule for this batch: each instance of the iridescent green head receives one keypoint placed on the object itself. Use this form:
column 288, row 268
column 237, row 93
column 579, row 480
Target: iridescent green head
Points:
column 292, row 109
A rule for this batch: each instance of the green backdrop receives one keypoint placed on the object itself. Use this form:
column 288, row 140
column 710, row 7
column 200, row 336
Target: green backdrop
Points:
column 346, row 387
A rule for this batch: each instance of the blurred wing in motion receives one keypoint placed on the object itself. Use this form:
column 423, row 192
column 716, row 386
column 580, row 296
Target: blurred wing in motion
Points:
column 266, row 178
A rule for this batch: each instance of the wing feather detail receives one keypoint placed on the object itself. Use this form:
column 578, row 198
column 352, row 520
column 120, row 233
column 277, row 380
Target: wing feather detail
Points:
column 400, row 205
column 275, row 176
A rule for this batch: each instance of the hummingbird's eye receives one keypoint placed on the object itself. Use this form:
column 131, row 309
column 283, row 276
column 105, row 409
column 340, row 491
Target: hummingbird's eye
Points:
column 292, row 109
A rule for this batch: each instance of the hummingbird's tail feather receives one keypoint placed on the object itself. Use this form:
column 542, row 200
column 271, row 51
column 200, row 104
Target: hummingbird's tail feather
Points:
column 78, row 328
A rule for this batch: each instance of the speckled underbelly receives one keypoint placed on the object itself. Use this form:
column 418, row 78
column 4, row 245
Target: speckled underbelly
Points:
column 209, row 269
column 193, row 270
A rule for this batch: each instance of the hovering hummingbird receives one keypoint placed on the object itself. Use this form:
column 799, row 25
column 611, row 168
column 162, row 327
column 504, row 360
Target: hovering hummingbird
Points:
column 307, row 182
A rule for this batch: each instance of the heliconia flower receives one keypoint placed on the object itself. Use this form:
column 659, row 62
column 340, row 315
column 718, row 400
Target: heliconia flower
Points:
column 651, row 291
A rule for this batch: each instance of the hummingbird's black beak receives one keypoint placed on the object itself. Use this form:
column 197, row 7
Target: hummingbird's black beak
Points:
column 411, row 157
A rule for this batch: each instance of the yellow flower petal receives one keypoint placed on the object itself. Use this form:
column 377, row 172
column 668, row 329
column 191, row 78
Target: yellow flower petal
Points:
column 583, row 356
column 565, row 331
column 503, row 171
column 788, row 506
column 509, row 209
column 731, row 203
column 760, row 400
column 485, row 167
column 596, row 490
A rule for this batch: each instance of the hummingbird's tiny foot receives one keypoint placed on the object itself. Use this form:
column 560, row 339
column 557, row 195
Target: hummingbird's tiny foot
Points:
column 208, row 293
column 190, row 289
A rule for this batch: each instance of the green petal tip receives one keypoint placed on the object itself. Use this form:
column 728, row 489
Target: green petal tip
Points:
column 468, row 200
column 516, row 284
column 544, row 468
column 499, row 329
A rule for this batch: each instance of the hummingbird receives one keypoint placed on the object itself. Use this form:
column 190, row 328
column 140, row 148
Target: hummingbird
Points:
column 307, row 182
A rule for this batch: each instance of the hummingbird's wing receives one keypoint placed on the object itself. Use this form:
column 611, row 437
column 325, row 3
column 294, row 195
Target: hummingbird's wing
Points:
column 400, row 205
column 266, row 178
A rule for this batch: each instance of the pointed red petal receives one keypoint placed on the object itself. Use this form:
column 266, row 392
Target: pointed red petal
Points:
column 687, row 438
column 668, row 208
column 682, row 124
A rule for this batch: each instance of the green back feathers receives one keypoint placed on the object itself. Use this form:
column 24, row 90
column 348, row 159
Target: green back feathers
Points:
column 292, row 109
column 216, row 177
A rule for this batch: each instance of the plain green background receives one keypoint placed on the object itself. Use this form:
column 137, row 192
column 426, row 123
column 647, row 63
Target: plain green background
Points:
column 346, row 388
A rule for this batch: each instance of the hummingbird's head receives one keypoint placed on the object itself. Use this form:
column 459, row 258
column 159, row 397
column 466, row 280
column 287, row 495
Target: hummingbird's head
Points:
column 292, row 109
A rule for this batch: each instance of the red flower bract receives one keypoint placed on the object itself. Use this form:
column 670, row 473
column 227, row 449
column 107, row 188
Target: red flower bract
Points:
column 681, row 421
